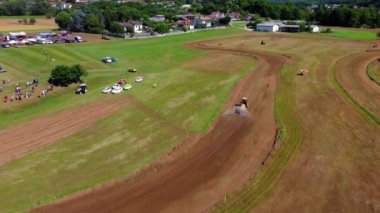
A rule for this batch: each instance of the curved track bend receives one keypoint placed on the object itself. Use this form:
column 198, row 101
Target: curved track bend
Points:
column 219, row 163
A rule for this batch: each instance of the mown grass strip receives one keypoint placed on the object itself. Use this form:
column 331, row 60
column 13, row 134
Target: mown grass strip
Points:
column 261, row 186
column 340, row 88
column 372, row 76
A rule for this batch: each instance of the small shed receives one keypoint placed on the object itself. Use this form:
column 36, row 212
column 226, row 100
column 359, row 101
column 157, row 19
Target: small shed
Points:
column 267, row 27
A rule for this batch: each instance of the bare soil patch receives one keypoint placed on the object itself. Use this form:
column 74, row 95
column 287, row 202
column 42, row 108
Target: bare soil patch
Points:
column 13, row 25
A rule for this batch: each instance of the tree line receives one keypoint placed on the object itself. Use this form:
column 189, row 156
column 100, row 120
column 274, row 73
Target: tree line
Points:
column 348, row 17
column 103, row 16
column 23, row 7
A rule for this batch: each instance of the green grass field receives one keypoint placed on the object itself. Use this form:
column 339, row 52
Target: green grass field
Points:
column 352, row 34
column 130, row 139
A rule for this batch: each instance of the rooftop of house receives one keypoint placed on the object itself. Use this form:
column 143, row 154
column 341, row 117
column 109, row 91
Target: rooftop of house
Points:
column 291, row 26
column 131, row 23
column 270, row 24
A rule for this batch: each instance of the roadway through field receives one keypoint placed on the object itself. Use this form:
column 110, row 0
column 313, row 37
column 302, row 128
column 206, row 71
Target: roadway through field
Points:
column 220, row 162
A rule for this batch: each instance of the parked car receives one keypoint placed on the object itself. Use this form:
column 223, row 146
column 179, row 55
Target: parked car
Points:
column 29, row 43
column 2, row 70
column 69, row 41
column 107, row 60
column 116, row 86
column 117, row 90
column 139, row 79
column 107, row 90
column 122, row 81
column 131, row 69
column 104, row 37
column 82, row 89
column 127, row 87
column 5, row 45
column 41, row 41
column 78, row 39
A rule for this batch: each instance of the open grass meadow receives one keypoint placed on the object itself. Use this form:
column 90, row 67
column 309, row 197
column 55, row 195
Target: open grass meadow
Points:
column 124, row 142
column 354, row 34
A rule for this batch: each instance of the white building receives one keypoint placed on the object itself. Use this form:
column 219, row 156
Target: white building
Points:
column 268, row 27
column 136, row 25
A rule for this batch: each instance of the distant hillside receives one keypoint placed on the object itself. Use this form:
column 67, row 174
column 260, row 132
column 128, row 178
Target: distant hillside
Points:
column 375, row 3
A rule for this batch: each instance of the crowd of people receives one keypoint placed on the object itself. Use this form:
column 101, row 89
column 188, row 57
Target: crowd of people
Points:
column 19, row 95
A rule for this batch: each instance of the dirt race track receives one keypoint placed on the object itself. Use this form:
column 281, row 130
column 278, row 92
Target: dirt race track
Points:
column 336, row 161
column 351, row 72
column 220, row 163
column 34, row 135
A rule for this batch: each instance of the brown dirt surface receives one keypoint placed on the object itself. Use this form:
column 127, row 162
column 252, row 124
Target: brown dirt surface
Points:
column 352, row 75
column 336, row 165
column 218, row 164
column 13, row 25
column 374, row 69
column 21, row 140
column 336, row 162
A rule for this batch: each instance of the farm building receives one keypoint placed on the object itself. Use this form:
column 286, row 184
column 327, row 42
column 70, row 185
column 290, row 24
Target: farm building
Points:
column 268, row 27
column 290, row 28
column 136, row 26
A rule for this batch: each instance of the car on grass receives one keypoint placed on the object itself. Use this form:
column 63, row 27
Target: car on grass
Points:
column 2, row 69
column 131, row 69
column 107, row 90
column 5, row 45
column 117, row 90
column 82, row 89
column 109, row 60
column 115, row 86
column 122, row 81
column 127, row 87
column 139, row 79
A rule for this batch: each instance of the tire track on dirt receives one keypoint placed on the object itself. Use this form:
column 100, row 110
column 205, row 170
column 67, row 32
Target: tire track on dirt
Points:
column 220, row 162
column 21, row 140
